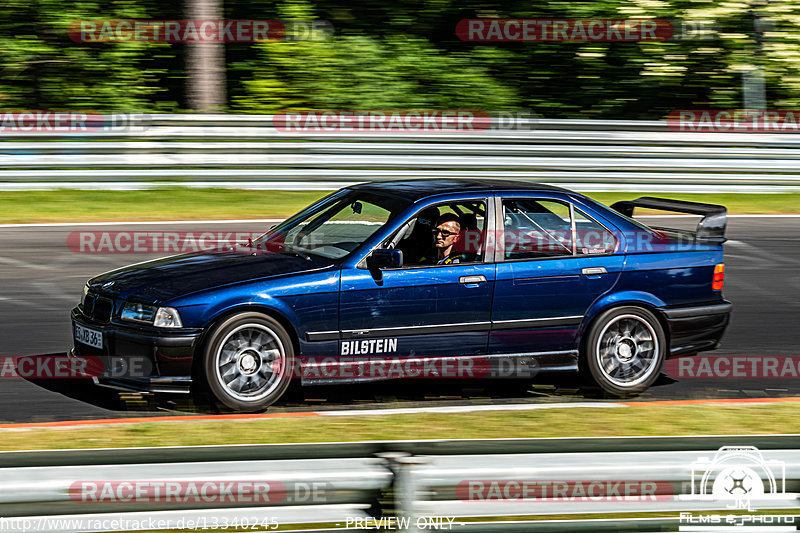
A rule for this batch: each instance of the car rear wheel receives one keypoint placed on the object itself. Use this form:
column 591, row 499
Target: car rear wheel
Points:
column 625, row 350
column 248, row 361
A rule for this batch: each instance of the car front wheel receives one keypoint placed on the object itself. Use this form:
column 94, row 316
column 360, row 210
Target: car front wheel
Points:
column 625, row 350
column 248, row 362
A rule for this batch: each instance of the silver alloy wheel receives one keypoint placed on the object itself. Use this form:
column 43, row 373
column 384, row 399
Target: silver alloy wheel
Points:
column 249, row 362
column 627, row 350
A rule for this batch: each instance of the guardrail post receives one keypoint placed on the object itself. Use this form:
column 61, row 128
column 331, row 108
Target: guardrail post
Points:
column 406, row 489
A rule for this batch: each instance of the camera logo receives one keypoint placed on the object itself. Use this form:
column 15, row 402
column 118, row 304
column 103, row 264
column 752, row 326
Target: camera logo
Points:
column 739, row 476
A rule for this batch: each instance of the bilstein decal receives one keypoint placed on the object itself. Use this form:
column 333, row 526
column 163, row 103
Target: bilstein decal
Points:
column 369, row 346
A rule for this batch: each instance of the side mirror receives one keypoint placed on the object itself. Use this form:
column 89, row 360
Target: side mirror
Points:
column 384, row 258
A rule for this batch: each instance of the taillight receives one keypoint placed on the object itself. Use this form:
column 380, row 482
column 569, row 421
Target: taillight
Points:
column 719, row 277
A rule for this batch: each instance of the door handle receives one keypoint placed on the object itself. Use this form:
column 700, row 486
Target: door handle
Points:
column 472, row 279
column 593, row 271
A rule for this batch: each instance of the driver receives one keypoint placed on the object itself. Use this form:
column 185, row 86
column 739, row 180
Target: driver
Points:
column 446, row 233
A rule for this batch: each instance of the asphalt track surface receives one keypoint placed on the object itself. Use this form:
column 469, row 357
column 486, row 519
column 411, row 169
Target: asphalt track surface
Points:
column 41, row 280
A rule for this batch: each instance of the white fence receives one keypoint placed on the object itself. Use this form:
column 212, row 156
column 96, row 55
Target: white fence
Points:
column 248, row 151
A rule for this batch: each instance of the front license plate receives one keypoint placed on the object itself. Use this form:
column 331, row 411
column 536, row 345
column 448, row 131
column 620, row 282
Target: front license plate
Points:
column 89, row 336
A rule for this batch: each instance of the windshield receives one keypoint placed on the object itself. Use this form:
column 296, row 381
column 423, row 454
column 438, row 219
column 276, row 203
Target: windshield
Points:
column 334, row 227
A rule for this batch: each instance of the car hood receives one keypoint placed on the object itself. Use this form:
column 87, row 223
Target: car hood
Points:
column 170, row 277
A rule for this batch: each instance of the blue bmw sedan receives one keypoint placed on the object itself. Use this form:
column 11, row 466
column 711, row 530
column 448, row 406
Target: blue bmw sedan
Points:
column 418, row 273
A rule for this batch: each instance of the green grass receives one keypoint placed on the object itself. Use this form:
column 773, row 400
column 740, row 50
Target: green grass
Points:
column 573, row 422
column 158, row 204
column 186, row 204
column 736, row 203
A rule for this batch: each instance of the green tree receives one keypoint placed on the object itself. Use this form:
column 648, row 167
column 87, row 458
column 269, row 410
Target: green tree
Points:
column 42, row 68
column 366, row 72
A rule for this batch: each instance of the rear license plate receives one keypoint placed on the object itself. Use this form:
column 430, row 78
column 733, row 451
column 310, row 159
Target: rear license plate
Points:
column 89, row 336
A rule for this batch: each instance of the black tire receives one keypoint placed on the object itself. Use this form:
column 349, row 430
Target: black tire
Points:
column 248, row 362
column 625, row 350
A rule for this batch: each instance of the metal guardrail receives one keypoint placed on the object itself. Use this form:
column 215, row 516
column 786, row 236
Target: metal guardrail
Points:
column 434, row 480
column 248, row 151
column 346, row 486
column 420, row 481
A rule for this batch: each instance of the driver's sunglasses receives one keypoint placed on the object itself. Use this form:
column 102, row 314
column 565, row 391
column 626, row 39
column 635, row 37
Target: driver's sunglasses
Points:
column 444, row 233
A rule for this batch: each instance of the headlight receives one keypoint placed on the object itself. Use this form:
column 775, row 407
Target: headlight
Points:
column 85, row 292
column 138, row 312
column 167, row 317
column 162, row 317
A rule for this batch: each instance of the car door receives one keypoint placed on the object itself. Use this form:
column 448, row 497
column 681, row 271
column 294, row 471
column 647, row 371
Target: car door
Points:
column 418, row 310
column 553, row 261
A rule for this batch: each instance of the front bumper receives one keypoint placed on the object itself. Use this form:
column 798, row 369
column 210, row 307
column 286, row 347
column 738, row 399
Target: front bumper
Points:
column 696, row 328
column 148, row 359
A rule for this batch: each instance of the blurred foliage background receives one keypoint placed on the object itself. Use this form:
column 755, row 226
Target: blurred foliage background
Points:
column 399, row 54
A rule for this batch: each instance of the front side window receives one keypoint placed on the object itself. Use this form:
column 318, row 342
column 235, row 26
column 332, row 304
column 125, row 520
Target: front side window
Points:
column 444, row 234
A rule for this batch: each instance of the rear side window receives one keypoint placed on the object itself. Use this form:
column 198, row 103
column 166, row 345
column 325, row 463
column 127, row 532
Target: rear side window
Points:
column 538, row 228
column 591, row 237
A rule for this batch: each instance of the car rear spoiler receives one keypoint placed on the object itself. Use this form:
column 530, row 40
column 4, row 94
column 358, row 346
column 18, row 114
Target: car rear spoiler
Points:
column 711, row 227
